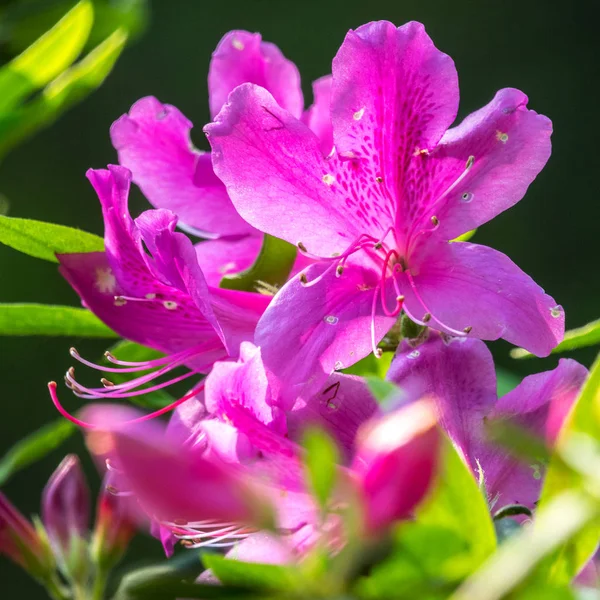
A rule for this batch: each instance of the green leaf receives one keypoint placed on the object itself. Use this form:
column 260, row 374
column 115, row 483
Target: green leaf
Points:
column 465, row 237
column 42, row 319
column 505, row 381
column 66, row 90
column 272, row 267
column 252, row 576
column 320, row 462
column 583, row 420
column 582, row 337
column 45, row 240
column 381, row 389
column 47, row 57
column 132, row 352
column 34, row 447
column 370, row 365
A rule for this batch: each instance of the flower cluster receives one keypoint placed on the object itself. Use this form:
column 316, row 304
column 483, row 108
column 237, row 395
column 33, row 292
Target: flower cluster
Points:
column 375, row 191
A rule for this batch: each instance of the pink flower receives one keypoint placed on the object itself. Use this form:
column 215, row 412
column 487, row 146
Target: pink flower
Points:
column 380, row 211
column 149, row 288
column 153, row 141
column 460, row 377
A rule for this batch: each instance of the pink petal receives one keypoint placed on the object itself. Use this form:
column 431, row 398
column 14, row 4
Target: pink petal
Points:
column 465, row 285
column 459, row 376
column 218, row 258
column 510, row 145
column 242, row 57
column 153, row 141
column 342, row 405
column 308, row 332
column 272, row 166
column 318, row 115
column 394, row 94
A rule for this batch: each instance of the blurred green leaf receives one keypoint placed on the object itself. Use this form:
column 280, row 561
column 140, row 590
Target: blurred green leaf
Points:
column 132, row 352
column 381, row 389
column 43, row 319
column 320, row 462
column 371, row 366
column 584, row 419
column 66, row 90
column 582, row 337
column 47, row 57
column 45, row 240
column 253, row 576
column 34, row 447
column 465, row 237
column 505, row 381
column 272, row 267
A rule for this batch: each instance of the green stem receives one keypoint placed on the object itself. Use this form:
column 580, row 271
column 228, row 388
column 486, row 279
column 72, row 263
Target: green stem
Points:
column 99, row 585
column 55, row 589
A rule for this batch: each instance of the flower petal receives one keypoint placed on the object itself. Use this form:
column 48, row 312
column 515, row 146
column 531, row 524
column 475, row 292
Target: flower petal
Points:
column 464, row 285
column 218, row 258
column 279, row 180
column 394, row 94
column 153, row 141
column 510, row 145
column 459, row 376
column 309, row 331
column 242, row 57
column 318, row 115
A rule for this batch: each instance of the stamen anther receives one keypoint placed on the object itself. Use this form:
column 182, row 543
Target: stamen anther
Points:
column 377, row 245
column 303, row 279
column 468, row 329
column 378, row 353
column 106, row 382
column 435, row 221
column 400, row 298
column 301, row 247
column 470, row 162
column 426, row 318
column 339, row 270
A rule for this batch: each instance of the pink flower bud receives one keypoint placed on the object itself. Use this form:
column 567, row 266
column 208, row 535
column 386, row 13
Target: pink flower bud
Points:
column 66, row 508
column 20, row 542
column 395, row 463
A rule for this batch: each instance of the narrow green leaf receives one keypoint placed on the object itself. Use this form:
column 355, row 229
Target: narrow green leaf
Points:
column 465, row 237
column 34, row 447
column 272, row 267
column 132, row 352
column 45, row 240
column 67, row 89
column 583, row 420
column 505, row 381
column 381, row 389
column 43, row 319
column 320, row 463
column 252, row 576
column 47, row 57
column 370, row 365
column 582, row 337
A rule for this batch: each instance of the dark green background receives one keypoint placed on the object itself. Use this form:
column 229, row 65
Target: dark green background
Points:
column 546, row 48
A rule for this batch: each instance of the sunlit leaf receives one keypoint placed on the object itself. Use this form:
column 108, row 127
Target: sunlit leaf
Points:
column 67, row 89
column 34, row 447
column 582, row 337
column 321, row 460
column 45, row 240
column 43, row 319
column 272, row 267
column 47, row 57
column 506, row 381
column 371, row 365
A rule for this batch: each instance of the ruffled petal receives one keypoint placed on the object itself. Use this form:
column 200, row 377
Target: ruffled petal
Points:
column 309, row 331
column 458, row 374
column 218, row 258
column 280, row 182
column 464, row 285
column 394, row 94
column 153, row 141
column 318, row 115
column 242, row 57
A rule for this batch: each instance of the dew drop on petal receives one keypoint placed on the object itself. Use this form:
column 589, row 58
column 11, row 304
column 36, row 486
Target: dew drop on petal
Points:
column 331, row 320
column 556, row 311
column 467, row 197
column 358, row 115
column 328, row 179
column 237, row 44
column 160, row 115
column 501, row 136
column 170, row 305
column 414, row 354
column 339, row 365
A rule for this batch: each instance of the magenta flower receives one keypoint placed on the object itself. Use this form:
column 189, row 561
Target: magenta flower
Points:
column 380, row 211
column 66, row 512
column 153, row 141
column 460, row 377
column 226, row 462
column 148, row 287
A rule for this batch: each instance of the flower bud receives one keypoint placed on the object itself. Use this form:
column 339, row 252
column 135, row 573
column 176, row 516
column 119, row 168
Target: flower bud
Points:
column 395, row 463
column 114, row 527
column 20, row 542
column 65, row 514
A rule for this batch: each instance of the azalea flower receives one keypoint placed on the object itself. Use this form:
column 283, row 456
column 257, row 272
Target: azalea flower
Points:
column 459, row 375
column 148, row 287
column 226, row 468
column 380, row 212
column 153, row 141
